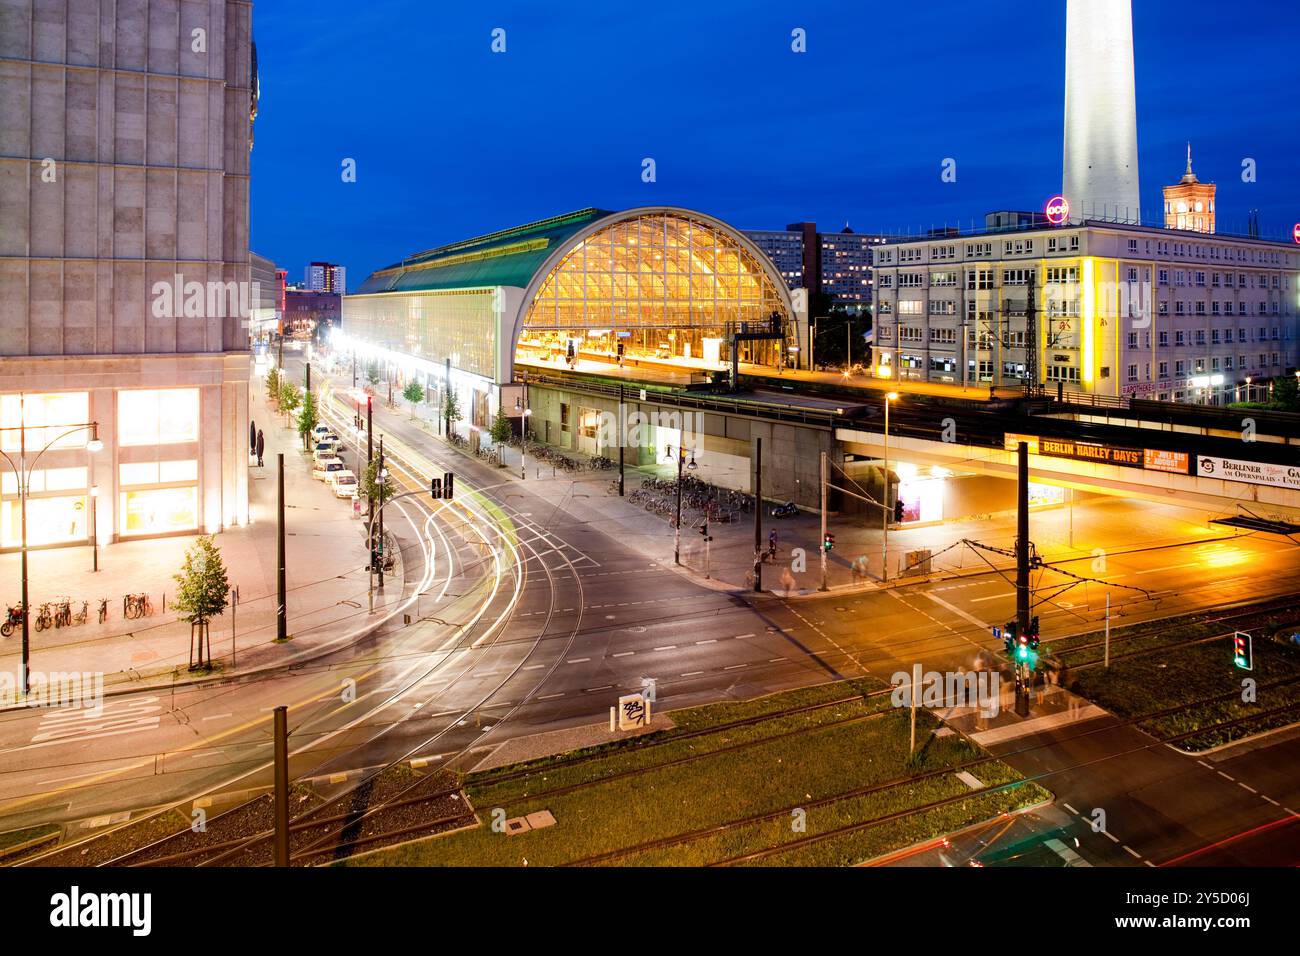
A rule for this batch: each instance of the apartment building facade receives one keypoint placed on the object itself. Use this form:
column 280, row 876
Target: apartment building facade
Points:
column 1116, row 310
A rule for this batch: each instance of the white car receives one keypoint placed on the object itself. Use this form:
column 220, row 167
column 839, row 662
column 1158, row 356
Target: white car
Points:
column 324, row 450
column 326, row 467
column 344, row 484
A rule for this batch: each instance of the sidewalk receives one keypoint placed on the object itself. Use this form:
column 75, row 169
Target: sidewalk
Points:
column 327, row 586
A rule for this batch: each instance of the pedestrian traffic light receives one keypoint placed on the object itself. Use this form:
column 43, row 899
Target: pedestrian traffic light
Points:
column 898, row 512
column 448, row 486
column 828, row 542
column 1243, row 651
column 704, row 529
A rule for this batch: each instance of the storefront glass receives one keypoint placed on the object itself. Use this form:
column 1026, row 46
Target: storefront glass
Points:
column 49, row 521
column 157, row 416
column 46, row 418
column 159, row 511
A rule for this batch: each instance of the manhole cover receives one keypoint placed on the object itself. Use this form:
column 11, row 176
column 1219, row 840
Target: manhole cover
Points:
column 636, row 630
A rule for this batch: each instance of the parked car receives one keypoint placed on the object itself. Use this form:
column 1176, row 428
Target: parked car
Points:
column 344, row 483
column 321, row 451
column 326, row 467
column 324, row 433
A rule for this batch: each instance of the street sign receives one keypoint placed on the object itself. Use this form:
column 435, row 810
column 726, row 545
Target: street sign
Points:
column 997, row 632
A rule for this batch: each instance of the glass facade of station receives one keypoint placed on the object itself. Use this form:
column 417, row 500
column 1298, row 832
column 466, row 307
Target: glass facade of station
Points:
column 662, row 285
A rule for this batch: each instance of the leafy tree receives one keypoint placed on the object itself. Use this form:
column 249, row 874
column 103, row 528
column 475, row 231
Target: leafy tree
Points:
column 372, row 373
column 307, row 416
column 372, row 487
column 203, row 593
column 290, row 397
column 1286, row 394
column 413, row 393
column 273, row 386
column 501, row 429
column 451, row 409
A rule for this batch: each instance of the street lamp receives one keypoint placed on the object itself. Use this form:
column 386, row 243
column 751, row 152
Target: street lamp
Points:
column 884, row 525
column 23, row 472
column 521, row 405
column 677, row 531
column 94, row 530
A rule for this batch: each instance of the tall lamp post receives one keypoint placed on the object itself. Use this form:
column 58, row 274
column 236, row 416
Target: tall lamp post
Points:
column 23, row 473
column 886, row 508
column 681, row 462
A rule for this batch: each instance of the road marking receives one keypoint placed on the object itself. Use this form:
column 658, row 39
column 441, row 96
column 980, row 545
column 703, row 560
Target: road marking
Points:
column 1110, row 836
column 109, row 720
column 217, row 716
column 959, row 612
column 991, row 597
column 667, row 647
column 776, row 660
column 1065, row 853
column 1244, row 787
column 1037, row 725
column 1071, row 809
column 1171, row 567
column 1272, row 801
column 623, row 654
column 578, row 660
column 592, row 690
column 732, row 667
column 1225, row 776
column 1132, row 852
column 551, row 696
column 693, row 674
column 532, row 667
column 709, row 641
column 741, row 637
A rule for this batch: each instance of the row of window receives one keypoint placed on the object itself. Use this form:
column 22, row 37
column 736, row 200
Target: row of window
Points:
column 1025, row 246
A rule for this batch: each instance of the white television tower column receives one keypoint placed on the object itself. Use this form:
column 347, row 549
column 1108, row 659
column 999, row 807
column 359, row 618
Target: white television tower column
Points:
column 1101, row 159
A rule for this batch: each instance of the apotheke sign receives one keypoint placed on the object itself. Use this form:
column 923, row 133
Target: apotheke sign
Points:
column 1251, row 472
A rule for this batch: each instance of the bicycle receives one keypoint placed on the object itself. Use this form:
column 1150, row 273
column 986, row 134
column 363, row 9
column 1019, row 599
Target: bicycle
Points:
column 103, row 610
column 81, row 616
column 44, row 617
column 136, row 606
column 63, row 613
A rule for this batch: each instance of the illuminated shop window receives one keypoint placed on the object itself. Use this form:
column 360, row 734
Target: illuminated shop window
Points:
column 160, row 511
column 158, row 472
column 157, row 416
column 42, row 480
column 46, row 419
column 54, row 520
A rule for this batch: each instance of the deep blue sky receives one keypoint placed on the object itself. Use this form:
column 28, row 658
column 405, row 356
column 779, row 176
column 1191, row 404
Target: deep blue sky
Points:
column 452, row 140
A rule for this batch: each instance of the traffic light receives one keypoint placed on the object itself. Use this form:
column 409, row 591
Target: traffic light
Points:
column 1243, row 651
column 828, row 542
column 898, row 512
column 1033, row 633
column 435, row 488
column 704, row 529
column 1009, row 636
column 448, row 486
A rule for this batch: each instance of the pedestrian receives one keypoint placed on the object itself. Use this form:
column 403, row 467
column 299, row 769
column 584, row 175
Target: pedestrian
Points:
column 261, row 447
column 771, row 543
column 252, row 436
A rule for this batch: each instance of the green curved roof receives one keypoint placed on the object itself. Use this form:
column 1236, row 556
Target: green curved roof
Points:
column 510, row 257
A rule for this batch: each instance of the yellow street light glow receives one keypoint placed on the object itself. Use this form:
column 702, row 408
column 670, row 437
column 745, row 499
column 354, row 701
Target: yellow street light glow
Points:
column 891, row 397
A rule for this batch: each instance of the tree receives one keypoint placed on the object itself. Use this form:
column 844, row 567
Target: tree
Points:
column 502, row 430
column 371, row 487
column 451, row 409
column 290, row 397
column 413, row 393
column 372, row 373
column 1286, row 394
column 203, row 593
column 273, row 386
column 307, row 416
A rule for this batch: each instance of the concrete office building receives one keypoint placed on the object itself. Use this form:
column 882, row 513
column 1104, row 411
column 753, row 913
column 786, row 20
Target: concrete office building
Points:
column 835, row 263
column 1118, row 310
column 125, row 291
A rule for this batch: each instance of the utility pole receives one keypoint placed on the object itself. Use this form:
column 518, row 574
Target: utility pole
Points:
column 1107, row 664
column 281, row 734
column 1031, row 332
column 23, row 480
column 281, row 616
column 379, row 481
column 886, row 508
column 758, row 515
column 677, row 528
column 446, row 390
column 1022, row 572
column 622, row 440
column 824, row 476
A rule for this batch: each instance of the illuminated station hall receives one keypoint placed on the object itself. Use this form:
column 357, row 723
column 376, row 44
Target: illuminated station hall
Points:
column 671, row 292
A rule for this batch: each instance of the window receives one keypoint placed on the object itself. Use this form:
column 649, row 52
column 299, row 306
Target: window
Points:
column 911, row 280
column 910, row 307
column 943, row 336
column 157, row 416
column 1164, row 339
column 159, row 511
column 943, row 279
column 46, row 419
column 564, row 417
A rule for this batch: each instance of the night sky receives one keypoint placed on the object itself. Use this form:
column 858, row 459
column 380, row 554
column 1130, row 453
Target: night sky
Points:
column 452, row 140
